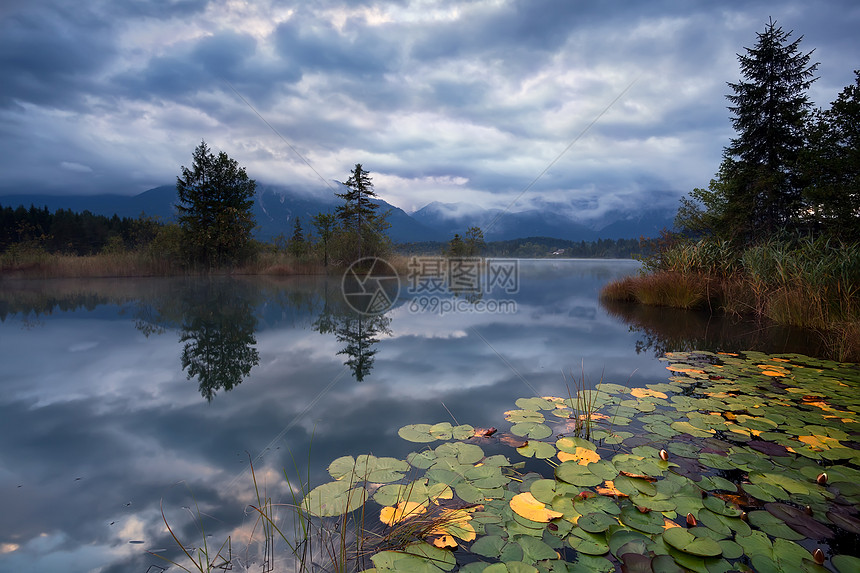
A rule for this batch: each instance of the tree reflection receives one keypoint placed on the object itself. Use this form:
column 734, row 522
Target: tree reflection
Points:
column 218, row 336
column 358, row 333
column 216, row 323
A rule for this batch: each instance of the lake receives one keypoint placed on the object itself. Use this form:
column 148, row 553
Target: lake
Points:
column 123, row 397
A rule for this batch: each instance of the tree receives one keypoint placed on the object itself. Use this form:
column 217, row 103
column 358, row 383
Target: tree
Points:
column 358, row 212
column 215, row 201
column 758, row 189
column 297, row 242
column 831, row 166
column 456, row 247
column 474, row 241
column 325, row 224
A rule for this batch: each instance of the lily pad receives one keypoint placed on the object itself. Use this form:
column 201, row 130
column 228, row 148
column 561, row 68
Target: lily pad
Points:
column 683, row 540
column 334, row 498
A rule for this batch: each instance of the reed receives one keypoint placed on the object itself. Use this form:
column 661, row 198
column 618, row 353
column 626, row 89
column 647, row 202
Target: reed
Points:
column 803, row 282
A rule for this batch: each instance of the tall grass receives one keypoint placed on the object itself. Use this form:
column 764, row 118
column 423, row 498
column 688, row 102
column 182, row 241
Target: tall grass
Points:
column 808, row 283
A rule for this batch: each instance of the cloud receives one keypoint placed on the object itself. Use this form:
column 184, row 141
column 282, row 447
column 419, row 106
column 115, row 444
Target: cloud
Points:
column 488, row 91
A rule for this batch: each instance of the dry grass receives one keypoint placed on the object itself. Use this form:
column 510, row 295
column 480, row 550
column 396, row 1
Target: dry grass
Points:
column 678, row 290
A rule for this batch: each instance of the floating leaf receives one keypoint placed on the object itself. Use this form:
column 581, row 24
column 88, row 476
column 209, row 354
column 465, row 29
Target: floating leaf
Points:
column 575, row 474
column 682, row 540
column 582, row 456
column 403, row 510
column 334, row 498
column 540, row 450
column 525, row 505
column 419, row 433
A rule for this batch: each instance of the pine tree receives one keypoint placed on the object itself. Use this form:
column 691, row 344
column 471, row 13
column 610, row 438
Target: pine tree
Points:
column 357, row 212
column 297, row 242
column 324, row 223
column 215, row 201
column 831, row 166
column 757, row 191
column 769, row 112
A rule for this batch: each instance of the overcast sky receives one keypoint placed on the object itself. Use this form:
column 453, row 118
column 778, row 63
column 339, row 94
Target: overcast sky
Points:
column 439, row 100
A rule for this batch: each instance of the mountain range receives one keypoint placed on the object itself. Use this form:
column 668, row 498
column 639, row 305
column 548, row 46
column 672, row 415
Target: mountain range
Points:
column 276, row 207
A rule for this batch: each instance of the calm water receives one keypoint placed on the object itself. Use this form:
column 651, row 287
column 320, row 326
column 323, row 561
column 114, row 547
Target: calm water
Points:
column 120, row 397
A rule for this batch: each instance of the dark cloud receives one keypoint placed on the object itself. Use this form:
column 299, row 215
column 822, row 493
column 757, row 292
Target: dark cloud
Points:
column 487, row 91
column 48, row 58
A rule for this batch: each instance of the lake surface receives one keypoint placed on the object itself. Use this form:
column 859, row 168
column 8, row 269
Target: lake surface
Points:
column 120, row 397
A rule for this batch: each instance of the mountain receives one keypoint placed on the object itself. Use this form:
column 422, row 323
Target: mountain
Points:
column 275, row 208
column 453, row 218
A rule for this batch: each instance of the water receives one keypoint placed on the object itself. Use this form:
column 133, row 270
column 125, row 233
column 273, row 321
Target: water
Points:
column 123, row 397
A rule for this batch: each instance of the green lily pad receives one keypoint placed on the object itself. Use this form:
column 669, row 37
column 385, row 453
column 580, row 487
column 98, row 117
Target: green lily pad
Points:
column 588, row 543
column 575, row 474
column 334, row 498
column 596, row 522
column 683, row 540
column 531, row 430
column 846, row 563
column 537, row 449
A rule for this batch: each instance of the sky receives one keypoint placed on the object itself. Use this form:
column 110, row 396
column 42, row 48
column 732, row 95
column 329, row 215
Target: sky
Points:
column 583, row 106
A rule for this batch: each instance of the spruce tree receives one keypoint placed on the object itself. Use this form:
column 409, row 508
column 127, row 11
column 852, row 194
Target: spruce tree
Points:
column 215, row 201
column 769, row 112
column 358, row 211
column 758, row 189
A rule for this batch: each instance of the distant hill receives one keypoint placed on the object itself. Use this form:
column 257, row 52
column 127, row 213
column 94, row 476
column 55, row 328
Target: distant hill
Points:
column 275, row 208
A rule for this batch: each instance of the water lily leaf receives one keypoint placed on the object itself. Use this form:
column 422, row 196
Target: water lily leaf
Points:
column 465, row 431
column 421, row 460
column 649, row 522
column 531, row 430
column 398, row 561
column 758, row 492
column 334, row 498
column 419, row 433
column 683, row 540
column 545, row 490
column 535, row 549
column 403, row 510
column 719, row 506
column 688, row 428
column 846, row 522
column 464, row 453
column 569, row 444
column 603, row 469
column 575, row 474
column 785, row 482
column 535, row 403
column 469, row 493
column 665, row 564
column 772, row 525
column 593, row 564
column 387, row 470
column 537, row 449
column 488, row 546
column 439, row 557
column 626, row 538
column 596, row 522
column 588, row 543
column 799, row 521
column 845, row 563
column 647, row 393
column 525, row 505
column 582, row 456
